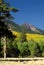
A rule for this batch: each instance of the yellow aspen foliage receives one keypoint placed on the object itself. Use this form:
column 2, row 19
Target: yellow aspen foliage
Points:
column 35, row 37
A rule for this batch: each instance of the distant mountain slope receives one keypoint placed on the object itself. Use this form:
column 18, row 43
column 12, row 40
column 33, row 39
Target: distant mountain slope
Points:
column 32, row 29
column 27, row 28
column 13, row 26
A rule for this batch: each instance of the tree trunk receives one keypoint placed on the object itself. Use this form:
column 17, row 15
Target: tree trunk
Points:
column 4, row 40
column 5, row 47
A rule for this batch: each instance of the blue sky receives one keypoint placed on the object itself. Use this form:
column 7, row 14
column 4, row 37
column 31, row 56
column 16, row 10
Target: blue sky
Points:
column 30, row 11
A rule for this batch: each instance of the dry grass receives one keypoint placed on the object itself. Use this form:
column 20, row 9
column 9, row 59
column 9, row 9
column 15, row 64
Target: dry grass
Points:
column 38, row 62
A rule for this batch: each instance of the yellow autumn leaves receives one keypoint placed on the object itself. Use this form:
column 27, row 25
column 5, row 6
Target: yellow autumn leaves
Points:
column 35, row 37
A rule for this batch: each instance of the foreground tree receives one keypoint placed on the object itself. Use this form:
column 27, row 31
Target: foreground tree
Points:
column 5, row 15
column 34, row 48
column 24, row 49
column 41, row 44
column 12, row 49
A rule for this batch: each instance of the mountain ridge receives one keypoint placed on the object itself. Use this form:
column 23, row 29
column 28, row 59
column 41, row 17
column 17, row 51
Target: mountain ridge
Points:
column 27, row 28
column 33, row 28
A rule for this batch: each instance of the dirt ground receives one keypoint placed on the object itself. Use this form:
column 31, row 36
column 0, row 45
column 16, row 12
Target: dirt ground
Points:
column 38, row 62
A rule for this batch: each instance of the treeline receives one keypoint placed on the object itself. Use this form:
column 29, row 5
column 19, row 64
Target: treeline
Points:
column 23, row 49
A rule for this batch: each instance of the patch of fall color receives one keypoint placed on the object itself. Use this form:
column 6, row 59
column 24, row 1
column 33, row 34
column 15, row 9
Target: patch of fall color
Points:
column 15, row 33
column 35, row 37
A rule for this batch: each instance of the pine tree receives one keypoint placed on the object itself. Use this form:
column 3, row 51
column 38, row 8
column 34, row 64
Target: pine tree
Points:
column 5, row 15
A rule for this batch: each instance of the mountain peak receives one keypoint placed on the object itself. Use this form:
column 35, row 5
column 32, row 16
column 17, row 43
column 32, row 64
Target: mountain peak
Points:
column 32, row 28
column 28, row 28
